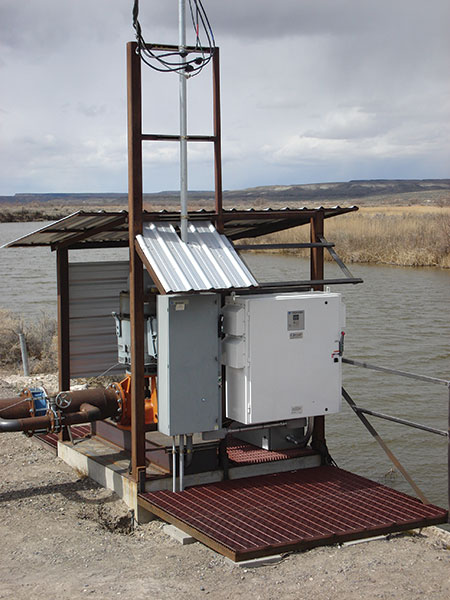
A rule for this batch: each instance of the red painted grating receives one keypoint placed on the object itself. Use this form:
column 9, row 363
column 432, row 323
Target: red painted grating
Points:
column 244, row 453
column 268, row 514
column 78, row 432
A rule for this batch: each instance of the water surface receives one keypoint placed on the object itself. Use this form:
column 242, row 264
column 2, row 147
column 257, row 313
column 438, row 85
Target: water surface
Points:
column 399, row 317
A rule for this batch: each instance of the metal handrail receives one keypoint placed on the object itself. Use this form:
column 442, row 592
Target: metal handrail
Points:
column 359, row 413
column 426, row 378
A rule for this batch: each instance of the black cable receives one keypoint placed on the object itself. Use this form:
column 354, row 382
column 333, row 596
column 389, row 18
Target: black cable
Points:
column 176, row 61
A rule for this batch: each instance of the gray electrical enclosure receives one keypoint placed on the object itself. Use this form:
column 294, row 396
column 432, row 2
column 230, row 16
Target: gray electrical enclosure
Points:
column 189, row 392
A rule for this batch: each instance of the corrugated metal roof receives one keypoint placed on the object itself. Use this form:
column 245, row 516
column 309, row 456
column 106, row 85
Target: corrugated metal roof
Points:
column 206, row 262
column 109, row 228
column 95, row 227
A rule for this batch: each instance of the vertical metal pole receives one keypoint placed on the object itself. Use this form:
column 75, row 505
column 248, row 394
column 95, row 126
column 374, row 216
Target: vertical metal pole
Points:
column 174, row 464
column 24, row 353
column 217, row 140
column 448, row 454
column 136, row 266
column 62, row 282
column 317, row 272
column 183, row 120
column 181, row 446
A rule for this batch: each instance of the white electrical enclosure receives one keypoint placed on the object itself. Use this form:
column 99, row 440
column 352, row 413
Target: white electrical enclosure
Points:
column 282, row 355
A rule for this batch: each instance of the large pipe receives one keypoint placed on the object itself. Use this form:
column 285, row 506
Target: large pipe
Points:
column 68, row 408
column 87, row 414
column 105, row 399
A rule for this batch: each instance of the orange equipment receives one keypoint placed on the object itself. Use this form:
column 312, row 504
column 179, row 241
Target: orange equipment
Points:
column 123, row 392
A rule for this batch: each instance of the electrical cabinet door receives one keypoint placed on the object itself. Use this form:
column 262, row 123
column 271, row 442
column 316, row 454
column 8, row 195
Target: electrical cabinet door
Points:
column 282, row 356
column 189, row 391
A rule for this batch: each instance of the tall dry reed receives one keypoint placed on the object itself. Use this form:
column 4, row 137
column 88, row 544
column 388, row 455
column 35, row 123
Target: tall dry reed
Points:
column 408, row 236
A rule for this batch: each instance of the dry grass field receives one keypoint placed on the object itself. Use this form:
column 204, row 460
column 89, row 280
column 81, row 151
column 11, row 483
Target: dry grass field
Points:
column 415, row 236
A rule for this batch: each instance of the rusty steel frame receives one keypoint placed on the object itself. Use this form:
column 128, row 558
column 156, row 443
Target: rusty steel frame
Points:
column 317, row 272
column 62, row 279
column 135, row 207
column 135, row 220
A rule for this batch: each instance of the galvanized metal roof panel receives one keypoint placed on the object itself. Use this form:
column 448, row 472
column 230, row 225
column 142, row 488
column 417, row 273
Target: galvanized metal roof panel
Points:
column 76, row 224
column 206, row 262
column 110, row 227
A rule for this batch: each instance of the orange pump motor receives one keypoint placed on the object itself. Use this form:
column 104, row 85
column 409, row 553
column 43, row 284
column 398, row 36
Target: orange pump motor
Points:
column 123, row 391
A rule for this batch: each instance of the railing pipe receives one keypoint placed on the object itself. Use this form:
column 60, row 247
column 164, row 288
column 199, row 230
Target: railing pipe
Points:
column 409, row 375
column 366, row 365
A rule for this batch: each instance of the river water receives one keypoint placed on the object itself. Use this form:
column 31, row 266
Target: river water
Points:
column 399, row 318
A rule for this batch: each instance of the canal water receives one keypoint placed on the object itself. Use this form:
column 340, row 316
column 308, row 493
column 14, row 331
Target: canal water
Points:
column 399, row 318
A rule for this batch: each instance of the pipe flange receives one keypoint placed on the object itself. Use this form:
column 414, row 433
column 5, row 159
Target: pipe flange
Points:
column 27, row 396
column 63, row 400
column 120, row 399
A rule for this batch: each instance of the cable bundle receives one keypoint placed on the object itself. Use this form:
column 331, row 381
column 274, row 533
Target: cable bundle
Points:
column 176, row 61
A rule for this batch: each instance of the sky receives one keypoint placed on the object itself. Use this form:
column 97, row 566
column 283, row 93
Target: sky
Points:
column 312, row 91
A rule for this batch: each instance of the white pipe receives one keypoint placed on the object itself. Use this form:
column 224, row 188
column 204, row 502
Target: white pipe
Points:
column 181, row 482
column 183, row 121
column 24, row 352
column 174, row 464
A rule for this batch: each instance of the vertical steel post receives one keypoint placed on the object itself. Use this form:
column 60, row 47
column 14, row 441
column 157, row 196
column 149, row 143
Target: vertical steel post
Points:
column 448, row 454
column 62, row 283
column 317, row 272
column 174, row 464
column 181, row 466
column 183, row 120
column 217, row 140
column 136, row 266
column 24, row 353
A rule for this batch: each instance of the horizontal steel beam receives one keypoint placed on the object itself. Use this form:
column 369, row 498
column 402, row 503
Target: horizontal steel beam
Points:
column 283, row 246
column 162, row 137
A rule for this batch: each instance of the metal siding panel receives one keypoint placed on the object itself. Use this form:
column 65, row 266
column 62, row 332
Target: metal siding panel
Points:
column 206, row 262
column 94, row 294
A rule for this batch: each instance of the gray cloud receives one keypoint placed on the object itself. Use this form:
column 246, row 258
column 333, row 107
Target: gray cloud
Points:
column 312, row 90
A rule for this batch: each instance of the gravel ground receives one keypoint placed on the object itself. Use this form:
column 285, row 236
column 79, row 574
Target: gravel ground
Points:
column 64, row 536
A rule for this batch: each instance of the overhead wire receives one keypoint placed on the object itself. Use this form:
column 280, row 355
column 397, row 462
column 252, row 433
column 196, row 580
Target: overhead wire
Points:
column 178, row 61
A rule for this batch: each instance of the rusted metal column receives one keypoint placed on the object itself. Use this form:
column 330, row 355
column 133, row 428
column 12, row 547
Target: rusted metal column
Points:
column 62, row 282
column 317, row 272
column 217, row 140
column 448, row 455
column 135, row 206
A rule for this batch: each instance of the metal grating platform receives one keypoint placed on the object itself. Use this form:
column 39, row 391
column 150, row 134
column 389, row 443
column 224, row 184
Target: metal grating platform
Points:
column 243, row 453
column 264, row 515
column 78, row 432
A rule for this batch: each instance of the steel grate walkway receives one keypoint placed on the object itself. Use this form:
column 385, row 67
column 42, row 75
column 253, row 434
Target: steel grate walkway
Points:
column 268, row 514
column 78, row 432
column 243, row 453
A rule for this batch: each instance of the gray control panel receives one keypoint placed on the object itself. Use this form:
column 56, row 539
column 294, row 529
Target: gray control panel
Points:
column 189, row 392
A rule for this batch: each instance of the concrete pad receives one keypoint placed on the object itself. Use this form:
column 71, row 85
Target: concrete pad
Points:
column 256, row 562
column 362, row 540
column 178, row 535
column 107, row 467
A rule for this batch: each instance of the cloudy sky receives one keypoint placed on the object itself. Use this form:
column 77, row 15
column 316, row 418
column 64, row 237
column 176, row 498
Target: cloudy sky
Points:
column 312, row 91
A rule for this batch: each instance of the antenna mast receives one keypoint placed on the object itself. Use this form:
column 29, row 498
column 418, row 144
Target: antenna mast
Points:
column 183, row 119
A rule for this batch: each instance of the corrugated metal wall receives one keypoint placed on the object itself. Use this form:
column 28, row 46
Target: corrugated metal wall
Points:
column 94, row 294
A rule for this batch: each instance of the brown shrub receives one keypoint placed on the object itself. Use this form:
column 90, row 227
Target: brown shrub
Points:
column 40, row 336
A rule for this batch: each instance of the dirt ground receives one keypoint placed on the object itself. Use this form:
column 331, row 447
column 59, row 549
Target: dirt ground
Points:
column 63, row 536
